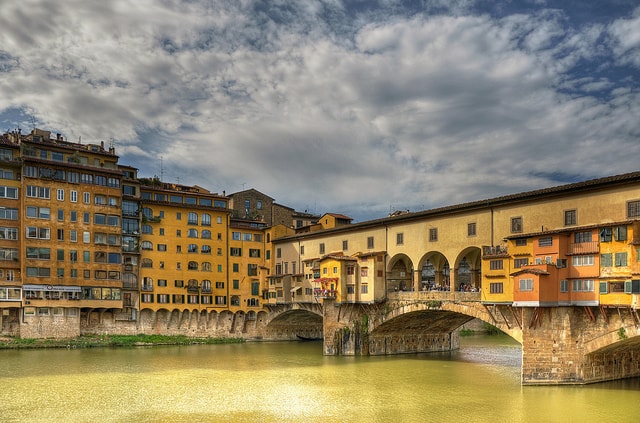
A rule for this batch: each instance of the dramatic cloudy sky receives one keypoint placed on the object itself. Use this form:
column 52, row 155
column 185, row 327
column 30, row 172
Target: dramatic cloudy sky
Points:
column 360, row 107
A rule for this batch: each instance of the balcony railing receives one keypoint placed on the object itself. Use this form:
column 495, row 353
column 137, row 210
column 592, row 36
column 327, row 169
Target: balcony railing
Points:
column 584, row 247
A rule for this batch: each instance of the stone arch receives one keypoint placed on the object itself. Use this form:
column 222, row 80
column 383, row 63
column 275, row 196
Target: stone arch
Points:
column 400, row 273
column 467, row 269
column 434, row 271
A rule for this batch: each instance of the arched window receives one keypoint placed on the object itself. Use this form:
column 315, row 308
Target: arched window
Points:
column 206, row 266
column 146, row 245
column 146, row 262
column 193, row 218
column 147, row 229
column 205, row 219
column 206, row 249
column 205, row 234
column 235, row 300
column 206, row 285
column 147, row 212
column 193, row 248
column 193, row 233
column 193, row 265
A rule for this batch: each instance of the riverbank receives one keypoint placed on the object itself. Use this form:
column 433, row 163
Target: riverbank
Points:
column 97, row 341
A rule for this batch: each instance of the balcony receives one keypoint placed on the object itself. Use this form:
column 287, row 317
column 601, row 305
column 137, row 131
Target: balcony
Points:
column 494, row 251
column 592, row 247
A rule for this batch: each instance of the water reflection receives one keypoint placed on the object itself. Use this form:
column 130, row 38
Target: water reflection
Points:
column 273, row 382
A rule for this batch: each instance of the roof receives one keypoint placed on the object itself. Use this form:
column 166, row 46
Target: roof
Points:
column 589, row 185
column 531, row 270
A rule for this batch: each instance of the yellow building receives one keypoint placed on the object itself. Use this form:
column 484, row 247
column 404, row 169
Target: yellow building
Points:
column 246, row 258
column 183, row 245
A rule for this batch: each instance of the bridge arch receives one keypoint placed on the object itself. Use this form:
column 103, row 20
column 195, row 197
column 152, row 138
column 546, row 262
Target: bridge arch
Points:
column 467, row 270
column 293, row 322
column 399, row 273
column 435, row 271
column 433, row 314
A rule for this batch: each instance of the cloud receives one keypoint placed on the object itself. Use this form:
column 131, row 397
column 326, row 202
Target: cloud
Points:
column 353, row 107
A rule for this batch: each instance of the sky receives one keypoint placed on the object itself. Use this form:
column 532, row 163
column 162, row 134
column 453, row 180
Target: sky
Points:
column 358, row 107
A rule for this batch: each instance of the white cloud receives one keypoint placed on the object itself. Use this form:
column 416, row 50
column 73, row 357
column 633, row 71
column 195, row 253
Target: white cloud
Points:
column 314, row 104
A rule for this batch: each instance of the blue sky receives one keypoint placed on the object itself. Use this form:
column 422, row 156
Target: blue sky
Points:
column 354, row 107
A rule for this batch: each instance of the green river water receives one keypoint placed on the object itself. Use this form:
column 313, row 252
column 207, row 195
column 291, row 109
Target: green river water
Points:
column 294, row 382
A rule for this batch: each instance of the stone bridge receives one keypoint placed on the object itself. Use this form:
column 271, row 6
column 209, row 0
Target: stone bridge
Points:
column 560, row 345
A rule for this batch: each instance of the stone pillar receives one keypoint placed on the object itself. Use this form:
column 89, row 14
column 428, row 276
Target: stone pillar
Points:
column 417, row 279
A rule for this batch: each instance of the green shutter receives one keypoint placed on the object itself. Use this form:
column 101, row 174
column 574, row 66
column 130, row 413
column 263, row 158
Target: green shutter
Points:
column 604, row 288
column 627, row 287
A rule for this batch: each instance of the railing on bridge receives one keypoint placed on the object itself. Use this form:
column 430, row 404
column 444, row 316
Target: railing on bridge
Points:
column 434, row 295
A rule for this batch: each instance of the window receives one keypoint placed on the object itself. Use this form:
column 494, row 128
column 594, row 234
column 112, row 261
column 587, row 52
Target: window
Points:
column 620, row 233
column 192, row 248
column 38, row 233
column 192, row 265
column 520, row 262
column 526, row 284
column 495, row 265
column 621, row 259
column 8, row 214
column 73, row 196
column 9, row 233
column 252, row 270
column 86, row 198
column 60, row 215
column 192, row 233
column 255, row 253
column 32, row 191
column 60, row 195
column 205, row 219
column 583, row 285
column 206, row 266
column 564, row 285
column 471, row 229
column 633, row 209
column 570, row 218
column 582, row 260
column 10, row 192
column 205, row 234
column 582, row 237
column 205, row 249
column 38, row 212
column 370, row 243
column 235, row 236
column 433, row 234
column 322, row 248
column 606, row 260
column 236, row 252
column 146, row 245
column 399, row 238
column 496, row 288
column 193, row 218
column 606, row 234
column 161, row 247
column 516, row 225
column 545, row 242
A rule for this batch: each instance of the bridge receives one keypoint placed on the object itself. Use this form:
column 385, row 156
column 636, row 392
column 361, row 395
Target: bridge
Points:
column 560, row 345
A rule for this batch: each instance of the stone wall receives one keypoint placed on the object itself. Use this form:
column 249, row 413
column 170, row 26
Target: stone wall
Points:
column 575, row 345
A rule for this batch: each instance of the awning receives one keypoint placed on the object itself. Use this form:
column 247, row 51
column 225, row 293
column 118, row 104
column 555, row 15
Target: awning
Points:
column 58, row 288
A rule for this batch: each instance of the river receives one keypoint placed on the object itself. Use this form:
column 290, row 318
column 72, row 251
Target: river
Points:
column 294, row 382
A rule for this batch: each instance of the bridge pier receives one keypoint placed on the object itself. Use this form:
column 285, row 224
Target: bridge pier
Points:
column 578, row 345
